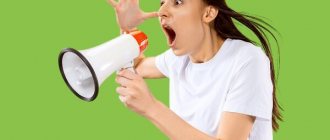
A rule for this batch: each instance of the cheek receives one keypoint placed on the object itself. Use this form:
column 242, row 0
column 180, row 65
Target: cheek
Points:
column 190, row 33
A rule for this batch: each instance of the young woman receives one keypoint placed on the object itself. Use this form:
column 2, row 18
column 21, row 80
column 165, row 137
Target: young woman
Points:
column 222, row 86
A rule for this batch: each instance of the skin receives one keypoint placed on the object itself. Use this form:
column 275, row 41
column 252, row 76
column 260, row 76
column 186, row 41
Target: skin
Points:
column 186, row 18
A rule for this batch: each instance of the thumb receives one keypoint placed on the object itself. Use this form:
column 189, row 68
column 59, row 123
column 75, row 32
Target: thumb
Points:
column 113, row 3
column 149, row 15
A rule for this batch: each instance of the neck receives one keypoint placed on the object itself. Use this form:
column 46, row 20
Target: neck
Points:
column 209, row 47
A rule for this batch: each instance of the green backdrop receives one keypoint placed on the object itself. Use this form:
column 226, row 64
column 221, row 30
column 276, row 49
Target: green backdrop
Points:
column 36, row 104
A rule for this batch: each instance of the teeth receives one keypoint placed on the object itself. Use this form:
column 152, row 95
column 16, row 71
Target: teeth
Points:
column 167, row 27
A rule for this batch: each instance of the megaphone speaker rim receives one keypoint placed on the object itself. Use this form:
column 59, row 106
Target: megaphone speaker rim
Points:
column 89, row 67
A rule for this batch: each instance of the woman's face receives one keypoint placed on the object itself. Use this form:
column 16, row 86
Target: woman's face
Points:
column 182, row 23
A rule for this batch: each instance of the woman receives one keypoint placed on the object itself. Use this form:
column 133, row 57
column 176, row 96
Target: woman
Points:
column 222, row 86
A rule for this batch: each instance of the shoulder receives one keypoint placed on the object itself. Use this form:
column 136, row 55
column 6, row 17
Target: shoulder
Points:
column 246, row 52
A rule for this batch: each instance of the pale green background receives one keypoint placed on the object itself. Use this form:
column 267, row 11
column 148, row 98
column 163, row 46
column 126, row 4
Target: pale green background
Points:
column 36, row 104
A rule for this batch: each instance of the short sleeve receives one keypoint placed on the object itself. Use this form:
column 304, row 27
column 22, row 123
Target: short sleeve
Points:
column 251, row 89
column 164, row 62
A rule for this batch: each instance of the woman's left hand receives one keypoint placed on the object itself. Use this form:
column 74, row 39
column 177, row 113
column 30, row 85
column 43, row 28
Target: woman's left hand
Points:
column 134, row 92
column 129, row 15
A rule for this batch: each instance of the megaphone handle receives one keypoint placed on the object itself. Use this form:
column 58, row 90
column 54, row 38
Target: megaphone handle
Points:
column 129, row 66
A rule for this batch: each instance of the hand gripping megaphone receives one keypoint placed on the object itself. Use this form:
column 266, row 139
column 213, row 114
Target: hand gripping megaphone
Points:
column 85, row 70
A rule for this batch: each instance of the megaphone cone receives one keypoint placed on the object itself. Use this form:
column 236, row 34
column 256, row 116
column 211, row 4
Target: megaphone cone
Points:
column 84, row 71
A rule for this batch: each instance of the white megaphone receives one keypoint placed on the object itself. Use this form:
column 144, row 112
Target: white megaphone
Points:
column 84, row 71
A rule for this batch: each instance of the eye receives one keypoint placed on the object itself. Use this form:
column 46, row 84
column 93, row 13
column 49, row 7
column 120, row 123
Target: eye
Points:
column 178, row 2
column 162, row 3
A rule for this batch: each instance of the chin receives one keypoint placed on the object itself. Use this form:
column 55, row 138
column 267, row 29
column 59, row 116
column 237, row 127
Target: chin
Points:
column 178, row 52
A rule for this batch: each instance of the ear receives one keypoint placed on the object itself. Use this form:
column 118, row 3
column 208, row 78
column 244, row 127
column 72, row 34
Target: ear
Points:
column 210, row 13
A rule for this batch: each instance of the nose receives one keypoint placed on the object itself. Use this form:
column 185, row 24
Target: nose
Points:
column 163, row 12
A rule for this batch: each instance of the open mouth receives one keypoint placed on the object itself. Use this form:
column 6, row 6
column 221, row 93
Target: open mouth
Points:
column 171, row 35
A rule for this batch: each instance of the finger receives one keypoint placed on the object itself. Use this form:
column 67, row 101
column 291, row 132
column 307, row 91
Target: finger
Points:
column 125, row 99
column 150, row 15
column 122, row 91
column 121, row 98
column 128, row 74
column 123, row 81
column 113, row 3
column 135, row 1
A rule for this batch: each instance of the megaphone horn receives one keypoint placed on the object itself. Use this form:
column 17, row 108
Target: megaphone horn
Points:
column 84, row 71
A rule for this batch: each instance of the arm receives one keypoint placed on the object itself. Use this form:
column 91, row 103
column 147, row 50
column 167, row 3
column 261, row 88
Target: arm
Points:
column 135, row 94
column 234, row 126
column 146, row 67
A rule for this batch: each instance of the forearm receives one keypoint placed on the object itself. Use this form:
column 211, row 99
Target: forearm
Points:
column 141, row 66
column 146, row 67
column 172, row 125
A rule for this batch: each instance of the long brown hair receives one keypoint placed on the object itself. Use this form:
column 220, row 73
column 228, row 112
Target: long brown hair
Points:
column 225, row 28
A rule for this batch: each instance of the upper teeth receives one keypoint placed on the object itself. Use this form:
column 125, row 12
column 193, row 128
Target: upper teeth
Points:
column 166, row 26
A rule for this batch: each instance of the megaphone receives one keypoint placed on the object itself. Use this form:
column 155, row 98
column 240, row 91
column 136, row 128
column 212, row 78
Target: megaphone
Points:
column 85, row 70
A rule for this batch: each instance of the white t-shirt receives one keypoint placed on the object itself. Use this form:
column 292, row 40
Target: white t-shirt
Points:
column 237, row 79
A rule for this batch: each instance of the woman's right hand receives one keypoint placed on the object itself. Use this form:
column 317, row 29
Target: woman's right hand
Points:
column 129, row 15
